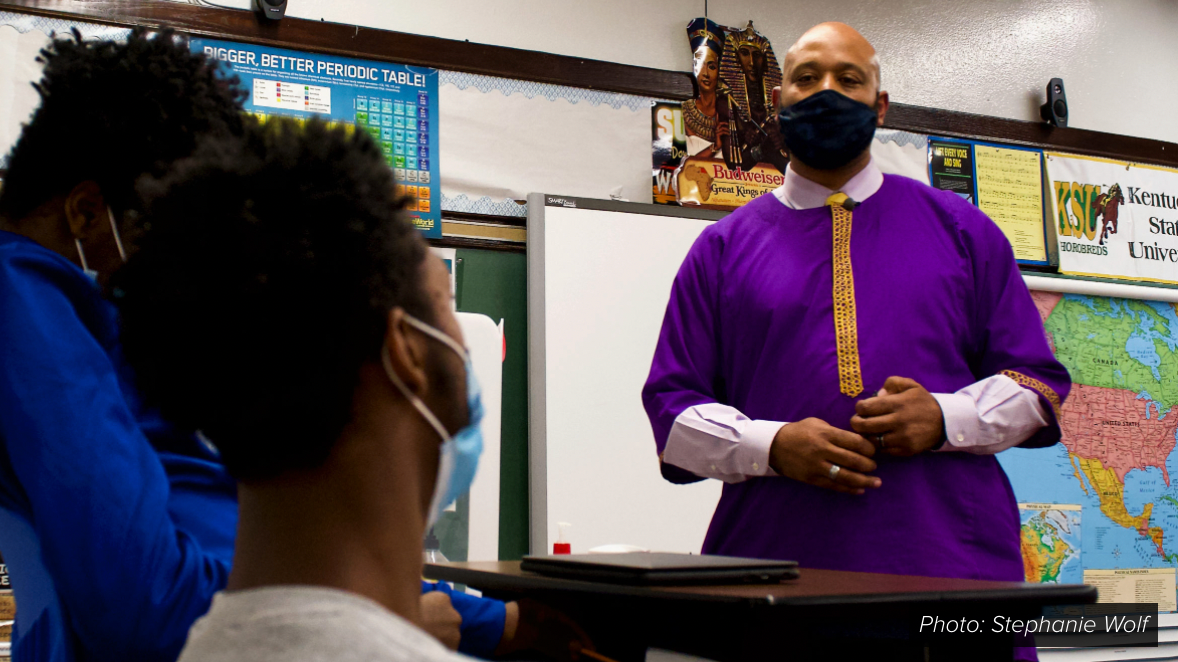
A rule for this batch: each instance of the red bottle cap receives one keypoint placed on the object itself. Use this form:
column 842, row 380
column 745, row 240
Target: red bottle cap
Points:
column 562, row 548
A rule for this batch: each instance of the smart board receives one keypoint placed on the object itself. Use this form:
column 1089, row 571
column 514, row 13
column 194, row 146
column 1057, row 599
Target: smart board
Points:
column 599, row 278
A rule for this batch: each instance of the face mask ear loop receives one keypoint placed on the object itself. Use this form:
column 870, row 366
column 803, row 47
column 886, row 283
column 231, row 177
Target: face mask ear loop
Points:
column 114, row 228
column 81, row 254
column 437, row 335
column 413, row 399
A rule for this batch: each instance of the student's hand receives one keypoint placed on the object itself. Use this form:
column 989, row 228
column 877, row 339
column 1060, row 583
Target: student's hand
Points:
column 535, row 627
column 440, row 619
column 903, row 420
column 807, row 450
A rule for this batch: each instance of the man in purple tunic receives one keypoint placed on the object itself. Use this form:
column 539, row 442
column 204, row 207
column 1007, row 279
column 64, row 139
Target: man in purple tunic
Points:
column 787, row 318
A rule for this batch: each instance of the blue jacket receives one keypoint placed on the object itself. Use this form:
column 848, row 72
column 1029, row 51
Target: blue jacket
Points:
column 117, row 530
column 106, row 562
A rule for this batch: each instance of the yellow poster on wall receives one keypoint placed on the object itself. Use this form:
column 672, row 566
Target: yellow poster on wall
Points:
column 1010, row 191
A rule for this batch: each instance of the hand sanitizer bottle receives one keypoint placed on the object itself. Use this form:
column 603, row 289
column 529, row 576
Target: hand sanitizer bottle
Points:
column 562, row 546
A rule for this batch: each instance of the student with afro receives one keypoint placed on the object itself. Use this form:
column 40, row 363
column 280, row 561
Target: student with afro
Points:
column 286, row 307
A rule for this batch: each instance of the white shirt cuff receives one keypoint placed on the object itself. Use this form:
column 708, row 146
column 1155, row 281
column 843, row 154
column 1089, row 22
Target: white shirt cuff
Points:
column 960, row 414
column 990, row 416
column 717, row 441
column 755, row 443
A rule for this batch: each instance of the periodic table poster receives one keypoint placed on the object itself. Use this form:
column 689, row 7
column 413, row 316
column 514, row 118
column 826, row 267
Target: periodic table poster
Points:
column 396, row 104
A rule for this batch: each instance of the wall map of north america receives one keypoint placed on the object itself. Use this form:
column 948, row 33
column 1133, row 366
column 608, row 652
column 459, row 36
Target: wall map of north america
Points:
column 1117, row 454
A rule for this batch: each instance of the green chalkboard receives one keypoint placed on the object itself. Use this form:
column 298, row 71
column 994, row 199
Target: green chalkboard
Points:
column 494, row 283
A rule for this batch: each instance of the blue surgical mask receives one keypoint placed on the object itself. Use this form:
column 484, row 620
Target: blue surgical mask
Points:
column 460, row 453
column 827, row 130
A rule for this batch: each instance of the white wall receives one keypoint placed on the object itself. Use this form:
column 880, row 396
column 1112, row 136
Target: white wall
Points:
column 1118, row 58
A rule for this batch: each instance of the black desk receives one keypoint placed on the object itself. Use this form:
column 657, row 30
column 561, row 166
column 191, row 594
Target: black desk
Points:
column 822, row 615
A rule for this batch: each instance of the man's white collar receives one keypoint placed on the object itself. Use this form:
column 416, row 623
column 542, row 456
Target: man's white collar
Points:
column 797, row 192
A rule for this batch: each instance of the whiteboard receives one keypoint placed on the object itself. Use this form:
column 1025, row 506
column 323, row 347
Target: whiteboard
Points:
column 599, row 278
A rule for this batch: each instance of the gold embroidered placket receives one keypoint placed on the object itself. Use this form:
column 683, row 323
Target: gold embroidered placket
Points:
column 846, row 328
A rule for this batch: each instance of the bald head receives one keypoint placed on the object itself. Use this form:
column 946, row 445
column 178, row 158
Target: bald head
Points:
column 837, row 57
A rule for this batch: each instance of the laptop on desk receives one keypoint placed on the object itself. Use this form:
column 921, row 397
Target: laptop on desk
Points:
column 661, row 569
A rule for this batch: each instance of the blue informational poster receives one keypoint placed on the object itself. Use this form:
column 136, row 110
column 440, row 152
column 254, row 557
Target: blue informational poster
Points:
column 396, row 104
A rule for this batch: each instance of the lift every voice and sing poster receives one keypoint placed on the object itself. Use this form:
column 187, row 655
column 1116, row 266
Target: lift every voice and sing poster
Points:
column 396, row 104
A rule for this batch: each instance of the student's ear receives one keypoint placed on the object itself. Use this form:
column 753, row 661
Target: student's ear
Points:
column 407, row 352
column 86, row 211
column 775, row 96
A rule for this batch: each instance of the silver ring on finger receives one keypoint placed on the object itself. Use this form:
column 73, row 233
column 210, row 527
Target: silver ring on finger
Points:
column 880, row 438
column 834, row 471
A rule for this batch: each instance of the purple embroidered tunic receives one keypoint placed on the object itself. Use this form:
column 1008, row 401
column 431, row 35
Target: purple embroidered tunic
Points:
column 938, row 298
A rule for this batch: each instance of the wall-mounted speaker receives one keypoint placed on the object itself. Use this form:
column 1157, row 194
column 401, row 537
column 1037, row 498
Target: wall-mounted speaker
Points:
column 1055, row 111
column 272, row 10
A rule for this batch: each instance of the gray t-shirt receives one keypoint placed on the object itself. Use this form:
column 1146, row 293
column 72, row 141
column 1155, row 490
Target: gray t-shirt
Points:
column 306, row 624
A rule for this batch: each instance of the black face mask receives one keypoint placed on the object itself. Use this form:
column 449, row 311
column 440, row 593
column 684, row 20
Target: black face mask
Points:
column 827, row 130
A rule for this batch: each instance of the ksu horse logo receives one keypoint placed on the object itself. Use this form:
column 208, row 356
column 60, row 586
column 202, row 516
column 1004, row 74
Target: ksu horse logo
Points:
column 1105, row 206
column 1082, row 209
